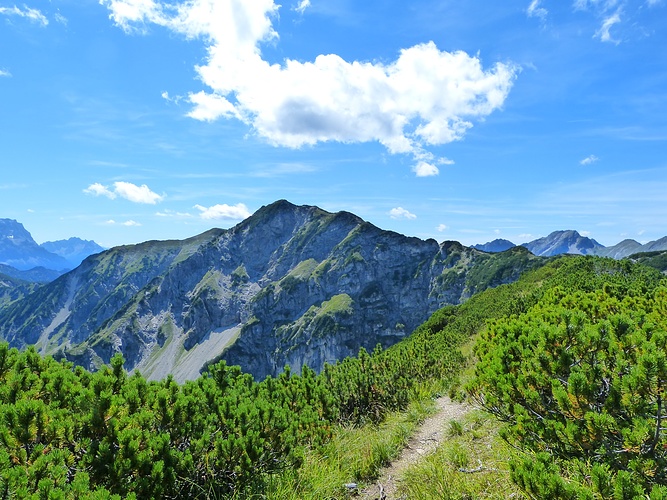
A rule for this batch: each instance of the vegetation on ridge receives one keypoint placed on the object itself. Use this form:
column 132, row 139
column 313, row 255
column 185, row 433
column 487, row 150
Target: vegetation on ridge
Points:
column 69, row 433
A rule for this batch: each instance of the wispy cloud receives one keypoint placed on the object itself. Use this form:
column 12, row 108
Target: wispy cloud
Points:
column 127, row 223
column 4, row 72
column 426, row 97
column 126, row 190
column 534, row 10
column 604, row 32
column 172, row 213
column 589, row 160
column 302, row 6
column 33, row 15
column 223, row 212
column 401, row 213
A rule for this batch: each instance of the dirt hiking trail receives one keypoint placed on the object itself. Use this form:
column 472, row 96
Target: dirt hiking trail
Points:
column 428, row 437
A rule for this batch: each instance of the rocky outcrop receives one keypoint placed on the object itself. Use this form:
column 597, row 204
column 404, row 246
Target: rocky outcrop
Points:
column 291, row 284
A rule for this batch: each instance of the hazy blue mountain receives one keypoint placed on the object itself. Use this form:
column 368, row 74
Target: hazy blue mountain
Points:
column 655, row 246
column 495, row 246
column 621, row 249
column 74, row 250
column 19, row 250
column 291, row 284
column 561, row 242
column 34, row 275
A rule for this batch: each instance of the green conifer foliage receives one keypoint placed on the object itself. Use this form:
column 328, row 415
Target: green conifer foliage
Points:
column 580, row 378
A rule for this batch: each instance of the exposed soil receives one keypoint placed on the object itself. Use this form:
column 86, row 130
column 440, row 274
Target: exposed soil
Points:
column 429, row 435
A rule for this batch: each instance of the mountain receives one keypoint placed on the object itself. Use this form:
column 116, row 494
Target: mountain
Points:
column 495, row 246
column 291, row 284
column 74, row 250
column 19, row 250
column 621, row 249
column 560, row 242
column 34, row 275
column 13, row 289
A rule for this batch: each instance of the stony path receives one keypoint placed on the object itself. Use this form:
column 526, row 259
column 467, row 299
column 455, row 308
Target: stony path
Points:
column 429, row 435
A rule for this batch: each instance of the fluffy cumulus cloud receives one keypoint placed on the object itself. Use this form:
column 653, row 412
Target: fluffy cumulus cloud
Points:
column 223, row 212
column 425, row 169
column 401, row 213
column 126, row 190
column 426, row 97
column 589, row 160
column 442, row 227
column 33, row 15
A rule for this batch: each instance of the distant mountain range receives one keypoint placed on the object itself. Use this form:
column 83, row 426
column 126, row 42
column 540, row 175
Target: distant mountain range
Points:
column 571, row 242
column 19, row 251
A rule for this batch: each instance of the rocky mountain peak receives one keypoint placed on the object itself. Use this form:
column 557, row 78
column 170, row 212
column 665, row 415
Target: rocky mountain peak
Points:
column 560, row 242
column 290, row 284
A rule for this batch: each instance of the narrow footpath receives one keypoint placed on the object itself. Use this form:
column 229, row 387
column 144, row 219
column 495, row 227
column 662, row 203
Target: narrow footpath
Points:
column 427, row 438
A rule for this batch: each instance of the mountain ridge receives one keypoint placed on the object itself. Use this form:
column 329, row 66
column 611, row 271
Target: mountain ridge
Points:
column 290, row 285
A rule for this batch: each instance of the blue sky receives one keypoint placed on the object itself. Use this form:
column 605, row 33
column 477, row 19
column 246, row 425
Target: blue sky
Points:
column 129, row 120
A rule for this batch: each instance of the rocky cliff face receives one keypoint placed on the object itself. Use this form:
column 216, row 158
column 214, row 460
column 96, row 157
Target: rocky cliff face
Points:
column 290, row 284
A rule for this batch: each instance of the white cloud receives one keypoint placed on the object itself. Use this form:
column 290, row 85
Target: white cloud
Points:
column 603, row 33
column 4, row 72
column 425, row 97
column 224, row 212
column 302, row 6
column 425, row 169
column 127, row 223
column 137, row 194
column 33, row 15
column 172, row 213
column 401, row 213
column 127, row 190
column 442, row 227
column 98, row 189
column 534, row 10
column 589, row 160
